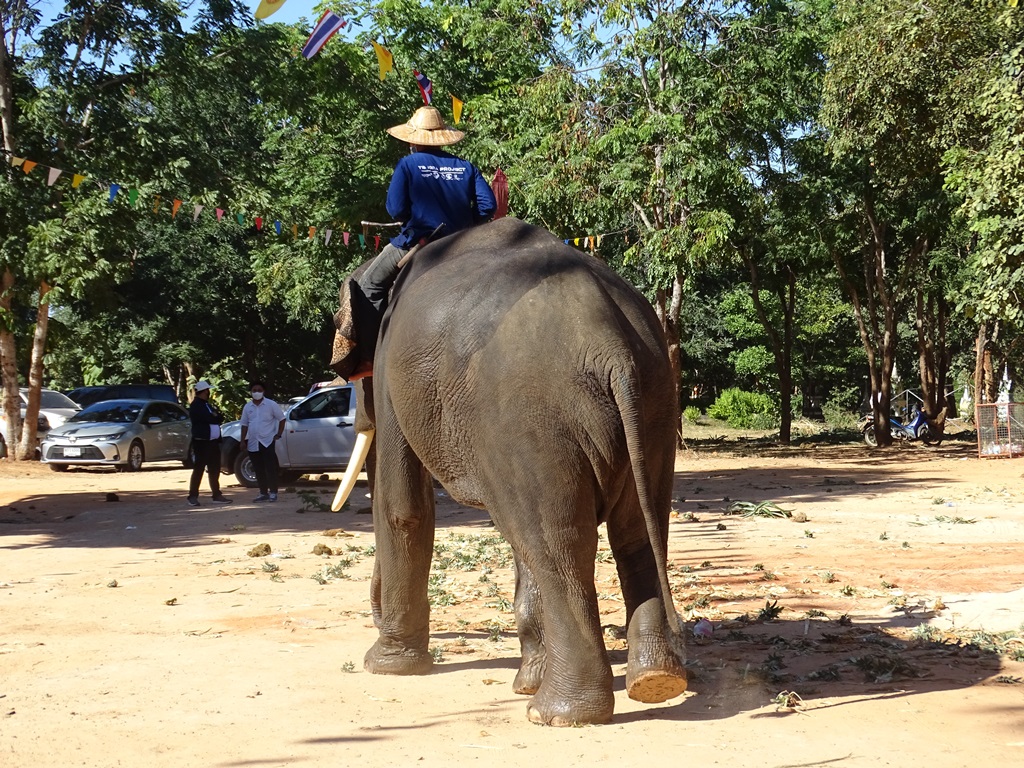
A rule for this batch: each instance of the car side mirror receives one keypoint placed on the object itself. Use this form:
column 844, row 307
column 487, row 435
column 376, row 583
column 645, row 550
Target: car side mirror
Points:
column 153, row 420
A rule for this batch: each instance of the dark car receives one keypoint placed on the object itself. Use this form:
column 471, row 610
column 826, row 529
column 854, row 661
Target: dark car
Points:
column 88, row 395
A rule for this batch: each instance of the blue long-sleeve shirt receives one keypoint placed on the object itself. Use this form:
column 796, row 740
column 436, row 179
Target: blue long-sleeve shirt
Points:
column 434, row 187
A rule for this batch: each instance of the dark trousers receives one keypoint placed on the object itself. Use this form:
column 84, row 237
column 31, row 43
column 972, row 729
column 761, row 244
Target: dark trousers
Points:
column 371, row 300
column 207, row 453
column 265, row 465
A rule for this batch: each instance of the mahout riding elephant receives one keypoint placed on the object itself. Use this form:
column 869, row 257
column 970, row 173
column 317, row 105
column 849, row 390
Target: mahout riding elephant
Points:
column 533, row 382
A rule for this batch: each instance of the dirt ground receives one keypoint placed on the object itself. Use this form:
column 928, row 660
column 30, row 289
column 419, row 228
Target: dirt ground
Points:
column 879, row 625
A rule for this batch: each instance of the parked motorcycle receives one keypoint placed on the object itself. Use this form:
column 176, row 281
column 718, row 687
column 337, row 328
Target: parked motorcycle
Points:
column 916, row 429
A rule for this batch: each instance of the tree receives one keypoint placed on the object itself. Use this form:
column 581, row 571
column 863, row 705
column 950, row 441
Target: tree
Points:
column 64, row 107
column 900, row 74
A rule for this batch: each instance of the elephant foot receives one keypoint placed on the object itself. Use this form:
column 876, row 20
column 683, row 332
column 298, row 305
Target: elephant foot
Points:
column 594, row 709
column 384, row 660
column 656, row 685
column 654, row 672
column 530, row 675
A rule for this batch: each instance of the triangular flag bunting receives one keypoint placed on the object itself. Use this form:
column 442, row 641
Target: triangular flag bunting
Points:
column 174, row 208
column 156, row 204
column 277, row 227
column 113, row 191
column 16, row 161
column 28, row 165
column 385, row 61
column 196, row 211
column 376, row 242
column 268, row 7
column 576, row 242
column 295, row 231
column 133, row 195
column 457, row 105
column 259, row 223
column 76, row 180
column 362, row 242
column 312, row 231
column 344, row 237
column 52, row 176
column 327, row 236
column 240, row 217
column 220, row 213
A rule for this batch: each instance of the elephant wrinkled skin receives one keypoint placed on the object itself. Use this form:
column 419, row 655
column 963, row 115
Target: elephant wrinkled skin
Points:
column 533, row 382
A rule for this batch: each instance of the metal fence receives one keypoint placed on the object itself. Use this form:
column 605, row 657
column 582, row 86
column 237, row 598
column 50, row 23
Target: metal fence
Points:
column 1000, row 430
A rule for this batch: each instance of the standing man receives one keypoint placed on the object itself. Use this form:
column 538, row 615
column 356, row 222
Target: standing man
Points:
column 429, row 188
column 262, row 426
column 206, row 421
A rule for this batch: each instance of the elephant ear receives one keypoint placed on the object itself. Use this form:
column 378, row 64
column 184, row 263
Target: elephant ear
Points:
column 345, row 350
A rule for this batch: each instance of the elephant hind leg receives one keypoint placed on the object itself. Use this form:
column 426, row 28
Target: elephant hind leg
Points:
column 654, row 671
column 529, row 617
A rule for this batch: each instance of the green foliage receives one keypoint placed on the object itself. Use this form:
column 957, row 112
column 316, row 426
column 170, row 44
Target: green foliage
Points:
column 692, row 414
column 840, row 408
column 744, row 410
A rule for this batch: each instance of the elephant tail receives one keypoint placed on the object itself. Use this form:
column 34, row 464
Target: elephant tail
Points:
column 626, row 390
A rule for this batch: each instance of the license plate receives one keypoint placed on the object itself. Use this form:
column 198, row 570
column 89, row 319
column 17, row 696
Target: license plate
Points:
column 72, row 451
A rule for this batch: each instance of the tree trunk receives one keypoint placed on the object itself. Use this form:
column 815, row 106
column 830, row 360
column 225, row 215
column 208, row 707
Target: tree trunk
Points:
column 782, row 346
column 29, row 432
column 979, row 362
column 8, row 365
column 932, row 355
column 668, row 310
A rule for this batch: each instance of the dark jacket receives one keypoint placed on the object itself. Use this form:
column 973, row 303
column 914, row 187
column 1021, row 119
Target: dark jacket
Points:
column 203, row 413
column 435, row 187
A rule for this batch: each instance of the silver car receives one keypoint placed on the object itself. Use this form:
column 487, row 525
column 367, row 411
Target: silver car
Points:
column 120, row 433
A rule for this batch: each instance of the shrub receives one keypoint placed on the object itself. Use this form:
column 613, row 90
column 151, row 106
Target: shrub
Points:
column 691, row 414
column 839, row 409
column 745, row 410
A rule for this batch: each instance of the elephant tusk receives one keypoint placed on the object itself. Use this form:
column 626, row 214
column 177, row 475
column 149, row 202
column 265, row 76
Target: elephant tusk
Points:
column 355, row 466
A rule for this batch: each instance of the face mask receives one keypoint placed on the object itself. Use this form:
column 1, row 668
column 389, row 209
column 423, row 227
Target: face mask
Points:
column 257, row 396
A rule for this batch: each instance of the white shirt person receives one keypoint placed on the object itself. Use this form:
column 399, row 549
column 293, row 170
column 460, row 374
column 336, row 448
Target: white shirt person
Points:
column 262, row 425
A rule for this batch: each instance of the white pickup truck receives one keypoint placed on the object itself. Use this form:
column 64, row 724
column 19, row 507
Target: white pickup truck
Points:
column 319, row 432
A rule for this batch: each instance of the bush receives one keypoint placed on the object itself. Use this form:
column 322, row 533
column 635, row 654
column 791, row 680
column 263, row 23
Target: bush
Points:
column 691, row 414
column 839, row 409
column 745, row 410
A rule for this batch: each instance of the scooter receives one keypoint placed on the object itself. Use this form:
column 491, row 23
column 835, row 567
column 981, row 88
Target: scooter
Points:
column 916, row 429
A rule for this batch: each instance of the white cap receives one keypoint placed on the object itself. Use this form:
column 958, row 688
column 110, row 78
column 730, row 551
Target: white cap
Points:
column 202, row 386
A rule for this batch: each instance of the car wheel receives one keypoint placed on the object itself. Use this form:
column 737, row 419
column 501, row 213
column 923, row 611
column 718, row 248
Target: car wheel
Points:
column 59, row 467
column 244, row 472
column 136, row 455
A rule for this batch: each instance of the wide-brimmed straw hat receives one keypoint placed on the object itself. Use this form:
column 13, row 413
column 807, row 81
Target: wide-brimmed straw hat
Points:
column 427, row 128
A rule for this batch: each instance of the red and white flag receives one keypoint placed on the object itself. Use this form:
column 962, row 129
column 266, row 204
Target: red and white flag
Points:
column 324, row 30
column 426, row 87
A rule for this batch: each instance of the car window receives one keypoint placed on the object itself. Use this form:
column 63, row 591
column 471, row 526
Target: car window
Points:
column 114, row 411
column 169, row 413
column 51, row 399
column 323, row 405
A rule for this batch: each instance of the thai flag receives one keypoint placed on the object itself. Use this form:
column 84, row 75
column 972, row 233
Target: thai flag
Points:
column 426, row 87
column 324, row 30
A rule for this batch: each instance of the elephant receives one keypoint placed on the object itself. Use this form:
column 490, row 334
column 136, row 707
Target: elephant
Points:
column 532, row 382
